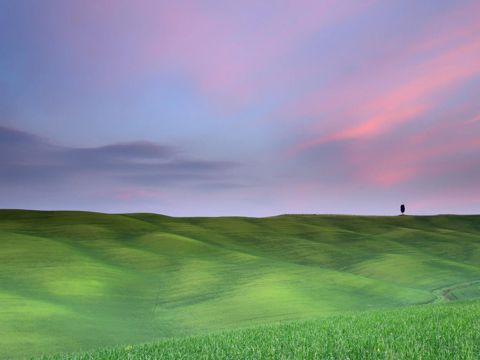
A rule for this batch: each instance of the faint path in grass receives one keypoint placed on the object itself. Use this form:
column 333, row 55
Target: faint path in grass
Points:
column 445, row 294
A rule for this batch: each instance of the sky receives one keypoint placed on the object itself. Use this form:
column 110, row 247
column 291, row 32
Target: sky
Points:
column 255, row 108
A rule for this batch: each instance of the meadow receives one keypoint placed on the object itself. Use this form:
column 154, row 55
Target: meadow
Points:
column 79, row 281
column 415, row 332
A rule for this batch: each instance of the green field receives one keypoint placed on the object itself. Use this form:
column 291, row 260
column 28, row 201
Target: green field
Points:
column 416, row 332
column 75, row 281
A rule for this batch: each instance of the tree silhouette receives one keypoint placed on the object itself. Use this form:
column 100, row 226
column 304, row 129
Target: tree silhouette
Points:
column 402, row 208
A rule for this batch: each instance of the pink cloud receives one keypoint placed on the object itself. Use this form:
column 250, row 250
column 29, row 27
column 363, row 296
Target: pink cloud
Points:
column 230, row 52
column 410, row 99
column 474, row 120
column 407, row 84
column 211, row 43
column 130, row 193
column 456, row 200
column 417, row 156
column 439, row 33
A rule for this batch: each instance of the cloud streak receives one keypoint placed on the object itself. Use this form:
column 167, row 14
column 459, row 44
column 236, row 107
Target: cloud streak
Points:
column 407, row 98
column 28, row 159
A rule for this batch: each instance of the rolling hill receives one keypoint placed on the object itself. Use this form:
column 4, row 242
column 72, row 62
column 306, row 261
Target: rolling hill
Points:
column 72, row 281
column 429, row 332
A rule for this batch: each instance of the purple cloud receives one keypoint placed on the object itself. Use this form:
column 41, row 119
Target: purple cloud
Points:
column 28, row 159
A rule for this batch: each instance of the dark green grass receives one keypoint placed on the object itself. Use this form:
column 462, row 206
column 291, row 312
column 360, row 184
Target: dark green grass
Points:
column 72, row 281
column 423, row 332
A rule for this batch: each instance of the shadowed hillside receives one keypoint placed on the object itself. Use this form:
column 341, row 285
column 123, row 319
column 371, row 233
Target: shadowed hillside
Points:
column 75, row 280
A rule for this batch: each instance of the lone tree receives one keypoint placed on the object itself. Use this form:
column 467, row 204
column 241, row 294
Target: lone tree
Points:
column 402, row 208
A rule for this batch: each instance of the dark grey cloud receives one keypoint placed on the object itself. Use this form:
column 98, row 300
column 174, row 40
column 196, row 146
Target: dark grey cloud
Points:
column 134, row 151
column 13, row 136
column 27, row 159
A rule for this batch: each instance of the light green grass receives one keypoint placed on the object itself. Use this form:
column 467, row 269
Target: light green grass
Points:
column 74, row 281
column 417, row 332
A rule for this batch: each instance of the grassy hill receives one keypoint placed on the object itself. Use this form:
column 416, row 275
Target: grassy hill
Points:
column 72, row 281
column 430, row 332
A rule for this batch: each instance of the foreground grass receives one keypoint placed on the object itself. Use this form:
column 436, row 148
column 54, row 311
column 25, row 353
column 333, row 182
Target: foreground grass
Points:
column 76, row 281
column 448, row 331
